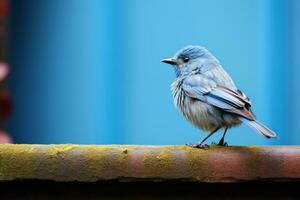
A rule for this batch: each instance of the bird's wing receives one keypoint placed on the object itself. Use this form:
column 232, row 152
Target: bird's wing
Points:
column 227, row 99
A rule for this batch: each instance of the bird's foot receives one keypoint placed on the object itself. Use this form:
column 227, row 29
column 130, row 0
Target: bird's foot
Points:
column 222, row 143
column 198, row 146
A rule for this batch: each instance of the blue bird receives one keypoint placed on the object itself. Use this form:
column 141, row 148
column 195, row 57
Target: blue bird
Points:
column 207, row 96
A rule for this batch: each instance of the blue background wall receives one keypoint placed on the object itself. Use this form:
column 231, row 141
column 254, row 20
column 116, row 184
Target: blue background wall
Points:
column 90, row 71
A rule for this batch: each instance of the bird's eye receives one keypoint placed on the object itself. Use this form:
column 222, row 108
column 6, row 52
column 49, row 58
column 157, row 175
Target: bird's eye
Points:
column 185, row 59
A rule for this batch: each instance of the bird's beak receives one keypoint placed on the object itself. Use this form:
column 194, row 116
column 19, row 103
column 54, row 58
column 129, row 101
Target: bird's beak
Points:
column 171, row 61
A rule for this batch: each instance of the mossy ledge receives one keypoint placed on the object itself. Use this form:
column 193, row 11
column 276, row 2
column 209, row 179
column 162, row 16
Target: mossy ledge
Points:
column 89, row 163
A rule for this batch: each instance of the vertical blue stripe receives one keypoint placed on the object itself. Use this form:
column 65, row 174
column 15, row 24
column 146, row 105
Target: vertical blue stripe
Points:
column 278, row 67
column 262, row 103
column 294, row 95
column 115, row 65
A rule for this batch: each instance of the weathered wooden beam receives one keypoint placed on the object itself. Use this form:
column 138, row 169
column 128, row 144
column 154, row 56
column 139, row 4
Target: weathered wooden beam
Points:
column 89, row 163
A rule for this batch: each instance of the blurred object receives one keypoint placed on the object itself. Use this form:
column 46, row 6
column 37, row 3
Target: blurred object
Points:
column 4, row 8
column 5, row 138
column 5, row 104
column 4, row 70
column 5, row 100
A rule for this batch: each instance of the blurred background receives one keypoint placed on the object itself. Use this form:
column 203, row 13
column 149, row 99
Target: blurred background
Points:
column 89, row 71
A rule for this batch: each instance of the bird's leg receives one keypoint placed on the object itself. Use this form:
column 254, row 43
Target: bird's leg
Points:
column 200, row 144
column 221, row 142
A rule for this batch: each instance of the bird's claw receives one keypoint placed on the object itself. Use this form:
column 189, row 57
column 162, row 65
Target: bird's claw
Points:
column 198, row 146
column 222, row 143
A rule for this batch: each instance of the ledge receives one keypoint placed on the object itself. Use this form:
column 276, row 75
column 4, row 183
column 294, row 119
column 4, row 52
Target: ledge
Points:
column 90, row 163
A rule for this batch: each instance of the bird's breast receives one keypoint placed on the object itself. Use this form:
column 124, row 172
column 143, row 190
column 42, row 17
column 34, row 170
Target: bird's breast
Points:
column 201, row 114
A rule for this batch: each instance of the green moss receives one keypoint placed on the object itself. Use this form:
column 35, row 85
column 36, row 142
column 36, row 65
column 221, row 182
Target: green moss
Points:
column 106, row 161
column 158, row 163
column 61, row 149
column 16, row 161
column 54, row 154
column 91, row 162
column 197, row 166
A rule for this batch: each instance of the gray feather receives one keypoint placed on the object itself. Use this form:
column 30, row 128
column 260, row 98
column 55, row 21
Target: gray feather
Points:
column 260, row 128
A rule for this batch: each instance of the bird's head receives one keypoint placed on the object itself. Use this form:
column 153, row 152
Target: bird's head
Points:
column 189, row 58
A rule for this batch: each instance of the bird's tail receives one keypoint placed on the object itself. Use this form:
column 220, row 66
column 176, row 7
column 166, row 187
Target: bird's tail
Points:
column 260, row 128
